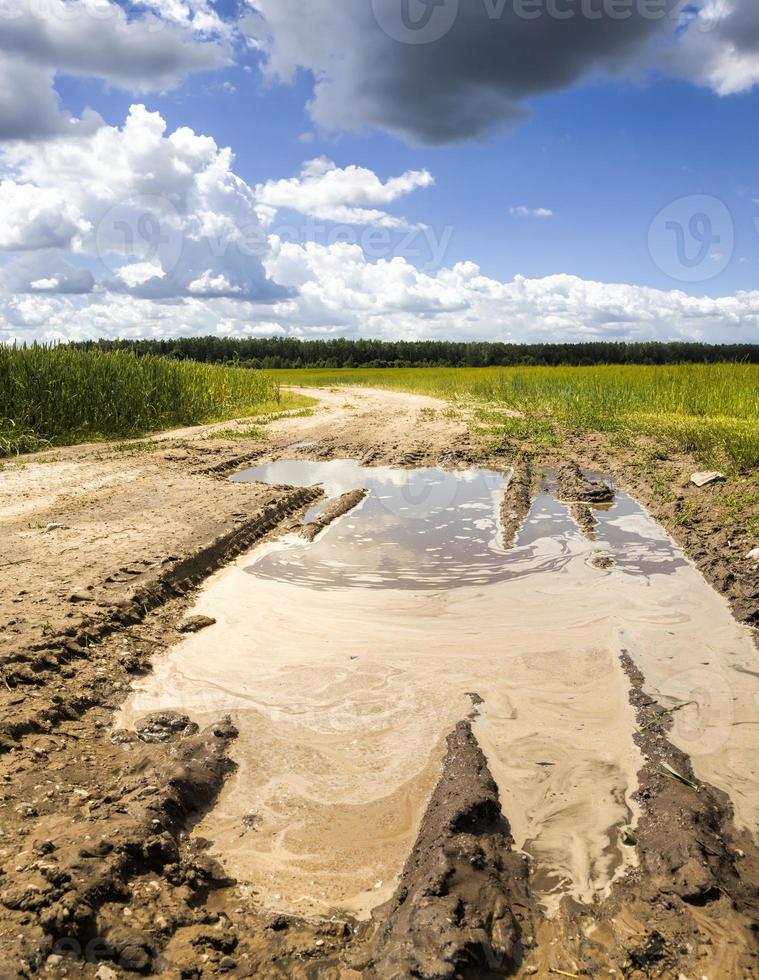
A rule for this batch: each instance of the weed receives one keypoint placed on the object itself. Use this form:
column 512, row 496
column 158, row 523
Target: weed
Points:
column 247, row 433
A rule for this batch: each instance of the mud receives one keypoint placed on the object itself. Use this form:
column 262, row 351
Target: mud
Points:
column 104, row 869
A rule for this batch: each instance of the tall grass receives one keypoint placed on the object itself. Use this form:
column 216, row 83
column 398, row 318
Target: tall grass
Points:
column 62, row 395
column 711, row 410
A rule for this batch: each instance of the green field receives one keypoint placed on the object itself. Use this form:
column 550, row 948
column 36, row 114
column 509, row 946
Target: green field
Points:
column 60, row 395
column 710, row 410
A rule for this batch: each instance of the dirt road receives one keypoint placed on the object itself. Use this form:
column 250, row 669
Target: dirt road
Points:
column 102, row 550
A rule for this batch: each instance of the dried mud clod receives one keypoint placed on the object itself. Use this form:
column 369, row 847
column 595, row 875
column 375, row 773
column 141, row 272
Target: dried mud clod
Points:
column 78, row 886
column 576, row 488
column 517, row 500
column 583, row 516
column 699, row 874
column 463, row 902
column 335, row 508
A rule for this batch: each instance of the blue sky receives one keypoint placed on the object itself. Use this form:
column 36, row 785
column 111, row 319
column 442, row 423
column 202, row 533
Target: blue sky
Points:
column 574, row 189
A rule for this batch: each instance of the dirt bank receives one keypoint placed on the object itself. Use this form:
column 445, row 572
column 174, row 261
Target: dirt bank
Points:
column 102, row 550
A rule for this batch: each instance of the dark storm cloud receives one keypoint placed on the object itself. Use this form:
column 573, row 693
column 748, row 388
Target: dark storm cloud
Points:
column 442, row 70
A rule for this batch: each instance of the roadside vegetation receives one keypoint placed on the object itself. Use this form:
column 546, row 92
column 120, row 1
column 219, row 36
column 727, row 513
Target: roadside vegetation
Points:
column 61, row 395
column 709, row 410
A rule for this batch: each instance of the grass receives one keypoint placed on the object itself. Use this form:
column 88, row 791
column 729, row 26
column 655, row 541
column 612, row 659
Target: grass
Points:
column 60, row 395
column 251, row 432
column 708, row 410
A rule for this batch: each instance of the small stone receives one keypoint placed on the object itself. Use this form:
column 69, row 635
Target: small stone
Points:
column 80, row 596
column 753, row 555
column 227, row 963
column 164, row 726
column 194, row 624
column 53, row 527
column 530, row 970
column 707, row 478
column 122, row 737
column 106, row 973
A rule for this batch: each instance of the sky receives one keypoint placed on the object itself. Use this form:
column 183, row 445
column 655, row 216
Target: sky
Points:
column 517, row 170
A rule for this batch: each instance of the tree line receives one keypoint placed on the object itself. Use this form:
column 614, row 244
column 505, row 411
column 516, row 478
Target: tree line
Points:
column 289, row 352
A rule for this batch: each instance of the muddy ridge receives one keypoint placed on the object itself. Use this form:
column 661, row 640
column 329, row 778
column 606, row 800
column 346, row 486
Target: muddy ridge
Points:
column 462, row 906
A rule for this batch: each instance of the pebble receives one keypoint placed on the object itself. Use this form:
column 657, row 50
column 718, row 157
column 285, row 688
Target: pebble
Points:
column 106, row 973
column 753, row 555
column 194, row 624
column 705, row 479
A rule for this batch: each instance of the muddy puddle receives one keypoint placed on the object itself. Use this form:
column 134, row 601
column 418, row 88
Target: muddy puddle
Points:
column 346, row 661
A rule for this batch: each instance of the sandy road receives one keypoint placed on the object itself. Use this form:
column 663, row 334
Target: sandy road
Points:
column 109, row 508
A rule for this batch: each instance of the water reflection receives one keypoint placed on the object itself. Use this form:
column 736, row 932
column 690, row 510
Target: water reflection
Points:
column 430, row 529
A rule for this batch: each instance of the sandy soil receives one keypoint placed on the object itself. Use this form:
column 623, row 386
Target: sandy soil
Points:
column 103, row 549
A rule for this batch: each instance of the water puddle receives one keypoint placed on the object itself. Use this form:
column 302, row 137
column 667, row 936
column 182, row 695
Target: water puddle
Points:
column 346, row 661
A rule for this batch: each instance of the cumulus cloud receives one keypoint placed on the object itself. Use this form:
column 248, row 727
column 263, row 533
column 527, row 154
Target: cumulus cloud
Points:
column 454, row 69
column 165, row 216
column 719, row 45
column 33, row 217
column 348, row 195
column 469, row 66
column 46, row 271
column 341, row 293
column 340, row 289
column 97, row 39
column 522, row 211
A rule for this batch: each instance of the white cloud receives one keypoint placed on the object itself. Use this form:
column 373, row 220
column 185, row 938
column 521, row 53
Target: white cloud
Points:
column 521, row 211
column 340, row 293
column 718, row 45
column 138, row 273
column 137, row 199
column 213, row 285
column 47, row 271
column 340, row 289
column 349, row 195
column 33, row 217
column 97, row 39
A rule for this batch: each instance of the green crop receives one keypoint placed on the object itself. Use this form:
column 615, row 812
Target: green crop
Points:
column 58, row 395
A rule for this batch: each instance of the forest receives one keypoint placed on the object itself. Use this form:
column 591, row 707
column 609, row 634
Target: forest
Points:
column 289, row 352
